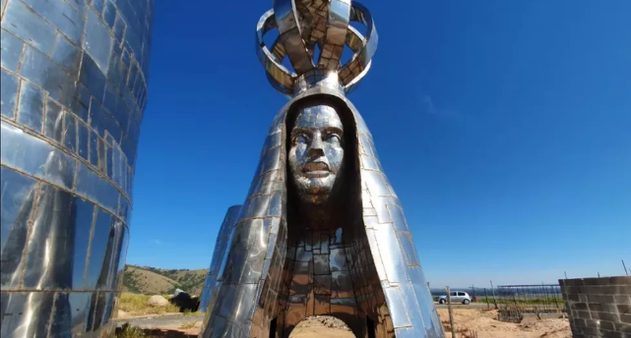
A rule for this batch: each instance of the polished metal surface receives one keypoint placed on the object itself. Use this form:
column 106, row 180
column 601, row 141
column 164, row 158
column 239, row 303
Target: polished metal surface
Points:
column 316, row 154
column 354, row 259
column 313, row 34
column 219, row 255
column 74, row 89
column 321, row 231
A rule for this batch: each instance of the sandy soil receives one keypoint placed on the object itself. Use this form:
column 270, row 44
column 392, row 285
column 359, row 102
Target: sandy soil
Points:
column 486, row 325
column 467, row 321
column 321, row 326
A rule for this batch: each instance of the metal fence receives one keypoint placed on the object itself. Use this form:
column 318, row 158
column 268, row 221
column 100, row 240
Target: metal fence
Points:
column 513, row 301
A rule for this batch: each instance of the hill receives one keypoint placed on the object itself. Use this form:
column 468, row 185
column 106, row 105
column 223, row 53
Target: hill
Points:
column 150, row 280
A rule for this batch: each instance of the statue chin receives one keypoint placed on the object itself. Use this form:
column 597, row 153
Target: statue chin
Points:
column 315, row 191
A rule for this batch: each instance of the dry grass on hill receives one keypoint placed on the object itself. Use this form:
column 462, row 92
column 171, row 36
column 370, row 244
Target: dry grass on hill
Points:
column 136, row 305
column 138, row 280
column 155, row 281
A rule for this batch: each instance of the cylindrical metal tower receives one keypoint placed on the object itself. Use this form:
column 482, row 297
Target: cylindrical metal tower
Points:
column 74, row 88
column 219, row 255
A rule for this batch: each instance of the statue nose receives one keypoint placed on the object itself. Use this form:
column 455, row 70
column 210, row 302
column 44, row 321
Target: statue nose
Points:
column 316, row 148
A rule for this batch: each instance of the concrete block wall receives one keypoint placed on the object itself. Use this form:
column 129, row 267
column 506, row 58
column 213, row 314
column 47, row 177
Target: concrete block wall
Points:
column 598, row 307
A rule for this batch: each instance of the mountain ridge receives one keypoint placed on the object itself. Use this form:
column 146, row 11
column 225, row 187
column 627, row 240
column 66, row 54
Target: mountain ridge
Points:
column 151, row 280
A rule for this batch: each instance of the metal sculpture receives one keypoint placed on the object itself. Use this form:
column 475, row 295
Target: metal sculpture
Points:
column 74, row 89
column 322, row 231
column 221, row 244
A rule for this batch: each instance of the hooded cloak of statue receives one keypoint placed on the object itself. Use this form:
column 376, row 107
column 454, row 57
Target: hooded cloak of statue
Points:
column 262, row 267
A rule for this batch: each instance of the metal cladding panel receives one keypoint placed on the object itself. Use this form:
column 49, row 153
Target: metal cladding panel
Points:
column 219, row 253
column 74, row 89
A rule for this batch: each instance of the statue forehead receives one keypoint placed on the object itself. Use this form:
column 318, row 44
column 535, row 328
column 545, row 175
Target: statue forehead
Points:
column 319, row 116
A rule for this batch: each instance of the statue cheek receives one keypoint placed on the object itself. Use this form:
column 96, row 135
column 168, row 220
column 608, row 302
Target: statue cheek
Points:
column 297, row 154
column 335, row 157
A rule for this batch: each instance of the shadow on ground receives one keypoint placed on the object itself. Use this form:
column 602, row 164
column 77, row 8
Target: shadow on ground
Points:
column 152, row 333
column 168, row 334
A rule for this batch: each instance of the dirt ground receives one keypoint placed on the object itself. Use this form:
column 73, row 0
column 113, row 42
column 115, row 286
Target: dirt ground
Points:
column 321, row 327
column 485, row 323
column 467, row 321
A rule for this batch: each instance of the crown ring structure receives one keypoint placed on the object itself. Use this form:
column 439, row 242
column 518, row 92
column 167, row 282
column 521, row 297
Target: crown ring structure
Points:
column 306, row 25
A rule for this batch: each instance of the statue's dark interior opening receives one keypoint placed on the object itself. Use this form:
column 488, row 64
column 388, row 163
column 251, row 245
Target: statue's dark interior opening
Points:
column 370, row 327
column 272, row 328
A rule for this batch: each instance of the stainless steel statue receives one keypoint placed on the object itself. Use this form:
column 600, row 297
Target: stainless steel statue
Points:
column 221, row 244
column 322, row 231
column 74, row 88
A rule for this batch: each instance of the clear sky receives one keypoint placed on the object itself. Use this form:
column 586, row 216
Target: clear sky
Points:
column 504, row 127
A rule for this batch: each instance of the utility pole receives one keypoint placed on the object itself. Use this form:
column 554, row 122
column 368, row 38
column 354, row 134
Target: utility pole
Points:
column 625, row 268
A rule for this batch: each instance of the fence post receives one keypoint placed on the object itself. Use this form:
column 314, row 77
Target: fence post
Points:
column 488, row 306
column 451, row 314
column 494, row 299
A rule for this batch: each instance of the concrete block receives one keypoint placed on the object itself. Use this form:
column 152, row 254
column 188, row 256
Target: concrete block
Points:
column 578, row 306
column 623, row 327
column 601, row 307
column 607, row 325
column 605, row 299
column 591, row 323
column 613, row 334
column 622, row 299
column 594, row 331
column 595, row 281
column 619, row 290
column 583, row 314
column 605, row 316
column 578, row 322
column 620, row 280
column 573, row 297
column 574, row 282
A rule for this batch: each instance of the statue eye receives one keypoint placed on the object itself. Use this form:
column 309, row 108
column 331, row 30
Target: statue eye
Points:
column 333, row 137
column 300, row 138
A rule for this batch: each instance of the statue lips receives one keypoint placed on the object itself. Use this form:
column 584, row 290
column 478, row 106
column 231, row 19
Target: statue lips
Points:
column 316, row 169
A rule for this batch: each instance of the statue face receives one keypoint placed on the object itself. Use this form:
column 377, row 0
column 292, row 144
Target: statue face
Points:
column 317, row 152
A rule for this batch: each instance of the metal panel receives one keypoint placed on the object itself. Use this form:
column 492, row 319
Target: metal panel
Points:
column 66, row 190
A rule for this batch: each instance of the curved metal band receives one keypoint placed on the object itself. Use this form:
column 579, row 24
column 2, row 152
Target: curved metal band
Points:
column 336, row 28
column 273, row 68
column 350, row 74
column 361, row 60
column 290, row 33
column 355, row 41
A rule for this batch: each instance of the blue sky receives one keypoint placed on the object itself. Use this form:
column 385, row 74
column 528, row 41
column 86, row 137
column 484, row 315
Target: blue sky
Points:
column 504, row 127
